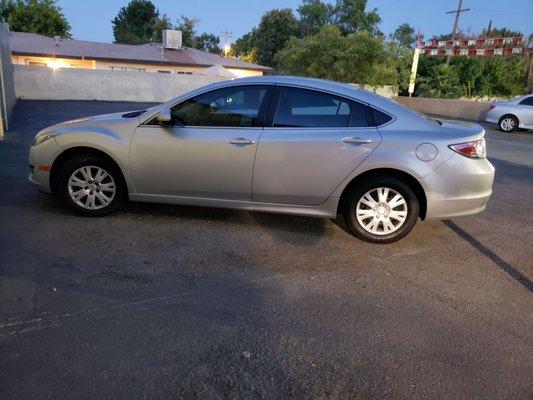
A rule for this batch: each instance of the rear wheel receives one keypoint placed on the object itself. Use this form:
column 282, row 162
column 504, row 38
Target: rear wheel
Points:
column 508, row 123
column 381, row 210
column 91, row 185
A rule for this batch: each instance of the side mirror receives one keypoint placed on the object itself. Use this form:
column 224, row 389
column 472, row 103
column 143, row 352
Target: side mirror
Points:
column 164, row 117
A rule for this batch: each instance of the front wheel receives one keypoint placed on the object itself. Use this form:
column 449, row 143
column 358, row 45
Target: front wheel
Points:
column 381, row 210
column 91, row 185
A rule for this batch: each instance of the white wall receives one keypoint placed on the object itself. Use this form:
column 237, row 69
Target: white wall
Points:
column 7, row 88
column 42, row 83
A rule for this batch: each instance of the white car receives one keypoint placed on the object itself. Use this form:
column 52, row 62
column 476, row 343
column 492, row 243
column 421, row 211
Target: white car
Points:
column 512, row 114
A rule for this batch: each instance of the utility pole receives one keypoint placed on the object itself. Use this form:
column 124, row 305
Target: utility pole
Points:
column 226, row 35
column 456, row 22
column 487, row 34
column 414, row 65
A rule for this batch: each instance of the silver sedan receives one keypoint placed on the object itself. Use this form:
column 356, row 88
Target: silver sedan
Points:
column 275, row 144
column 513, row 114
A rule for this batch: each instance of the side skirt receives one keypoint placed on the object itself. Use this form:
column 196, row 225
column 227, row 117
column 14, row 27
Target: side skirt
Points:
column 328, row 209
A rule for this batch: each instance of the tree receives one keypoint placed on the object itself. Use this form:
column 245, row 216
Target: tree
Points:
column 355, row 58
column 404, row 35
column 36, row 16
column 207, row 42
column 273, row 33
column 188, row 32
column 500, row 33
column 160, row 25
column 351, row 16
column 135, row 23
column 245, row 46
column 314, row 14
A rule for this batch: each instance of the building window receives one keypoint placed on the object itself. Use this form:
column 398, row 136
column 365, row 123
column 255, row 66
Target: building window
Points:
column 115, row 68
column 180, row 72
column 164, row 72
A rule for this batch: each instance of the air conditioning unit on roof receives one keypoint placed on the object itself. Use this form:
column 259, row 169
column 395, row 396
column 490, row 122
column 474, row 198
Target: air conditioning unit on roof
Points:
column 171, row 39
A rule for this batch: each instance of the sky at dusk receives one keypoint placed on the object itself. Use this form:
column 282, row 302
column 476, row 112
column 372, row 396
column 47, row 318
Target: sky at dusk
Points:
column 91, row 19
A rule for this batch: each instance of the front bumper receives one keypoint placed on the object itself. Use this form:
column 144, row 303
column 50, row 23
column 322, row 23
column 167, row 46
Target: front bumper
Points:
column 41, row 158
column 461, row 186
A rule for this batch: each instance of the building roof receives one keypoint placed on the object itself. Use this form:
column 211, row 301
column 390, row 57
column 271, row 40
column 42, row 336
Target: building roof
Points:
column 152, row 53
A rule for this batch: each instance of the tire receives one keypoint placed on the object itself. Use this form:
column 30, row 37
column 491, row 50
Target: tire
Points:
column 106, row 189
column 361, row 214
column 508, row 123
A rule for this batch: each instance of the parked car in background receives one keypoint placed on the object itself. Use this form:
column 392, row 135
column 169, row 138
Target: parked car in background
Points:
column 277, row 144
column 513, row 114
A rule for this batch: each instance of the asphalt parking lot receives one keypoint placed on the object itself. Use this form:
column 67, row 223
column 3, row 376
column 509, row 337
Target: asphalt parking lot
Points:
column 161, row 301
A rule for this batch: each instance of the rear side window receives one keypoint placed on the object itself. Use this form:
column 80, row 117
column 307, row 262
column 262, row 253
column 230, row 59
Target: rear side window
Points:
column 236, row 106
column 527, row 101
column 380, row 118
column 360, row 116
column 308, row 108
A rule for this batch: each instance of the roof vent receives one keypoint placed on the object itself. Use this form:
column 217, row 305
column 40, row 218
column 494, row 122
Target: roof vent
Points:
column 171, row 39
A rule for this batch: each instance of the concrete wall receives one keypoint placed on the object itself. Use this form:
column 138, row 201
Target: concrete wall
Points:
column 463, row 109
column 388, row 91
column 7, row 85
column 42, row 83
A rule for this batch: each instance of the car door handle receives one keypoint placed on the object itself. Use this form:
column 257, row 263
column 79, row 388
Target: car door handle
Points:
column 241, row 140
column 356, row 140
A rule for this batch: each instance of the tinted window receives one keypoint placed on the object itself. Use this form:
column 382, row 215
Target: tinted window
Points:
column 359, row 115
column 237, row 106
column 380, row 118
column 309, row 108
column 527, row 101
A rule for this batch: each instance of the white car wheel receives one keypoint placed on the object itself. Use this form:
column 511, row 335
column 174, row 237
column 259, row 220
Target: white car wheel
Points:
column 508, row 123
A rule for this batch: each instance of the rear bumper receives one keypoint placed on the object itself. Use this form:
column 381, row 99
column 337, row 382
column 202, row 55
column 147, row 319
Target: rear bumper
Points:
column 492, row 118
column 461, row 186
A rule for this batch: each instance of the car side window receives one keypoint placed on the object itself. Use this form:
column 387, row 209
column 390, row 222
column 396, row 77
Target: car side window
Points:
column 360, row 116
column 528, row 101
column 304, row 108
column 229, row 107
column 380, row 118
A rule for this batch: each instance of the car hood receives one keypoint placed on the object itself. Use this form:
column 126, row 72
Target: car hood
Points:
column 95, row 118
column 89, row 123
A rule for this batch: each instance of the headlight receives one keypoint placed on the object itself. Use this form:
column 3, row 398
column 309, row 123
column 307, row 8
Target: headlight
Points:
column 41, row 139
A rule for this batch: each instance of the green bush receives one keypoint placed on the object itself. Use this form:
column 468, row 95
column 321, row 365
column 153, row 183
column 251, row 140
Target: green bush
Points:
column 471, row 77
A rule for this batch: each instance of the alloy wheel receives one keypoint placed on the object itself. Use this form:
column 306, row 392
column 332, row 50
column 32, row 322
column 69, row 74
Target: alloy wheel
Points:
column 91, row 187
column 381, row 211
column 507, row 124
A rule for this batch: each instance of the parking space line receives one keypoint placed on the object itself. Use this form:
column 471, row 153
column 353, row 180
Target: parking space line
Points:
column 504, row 265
